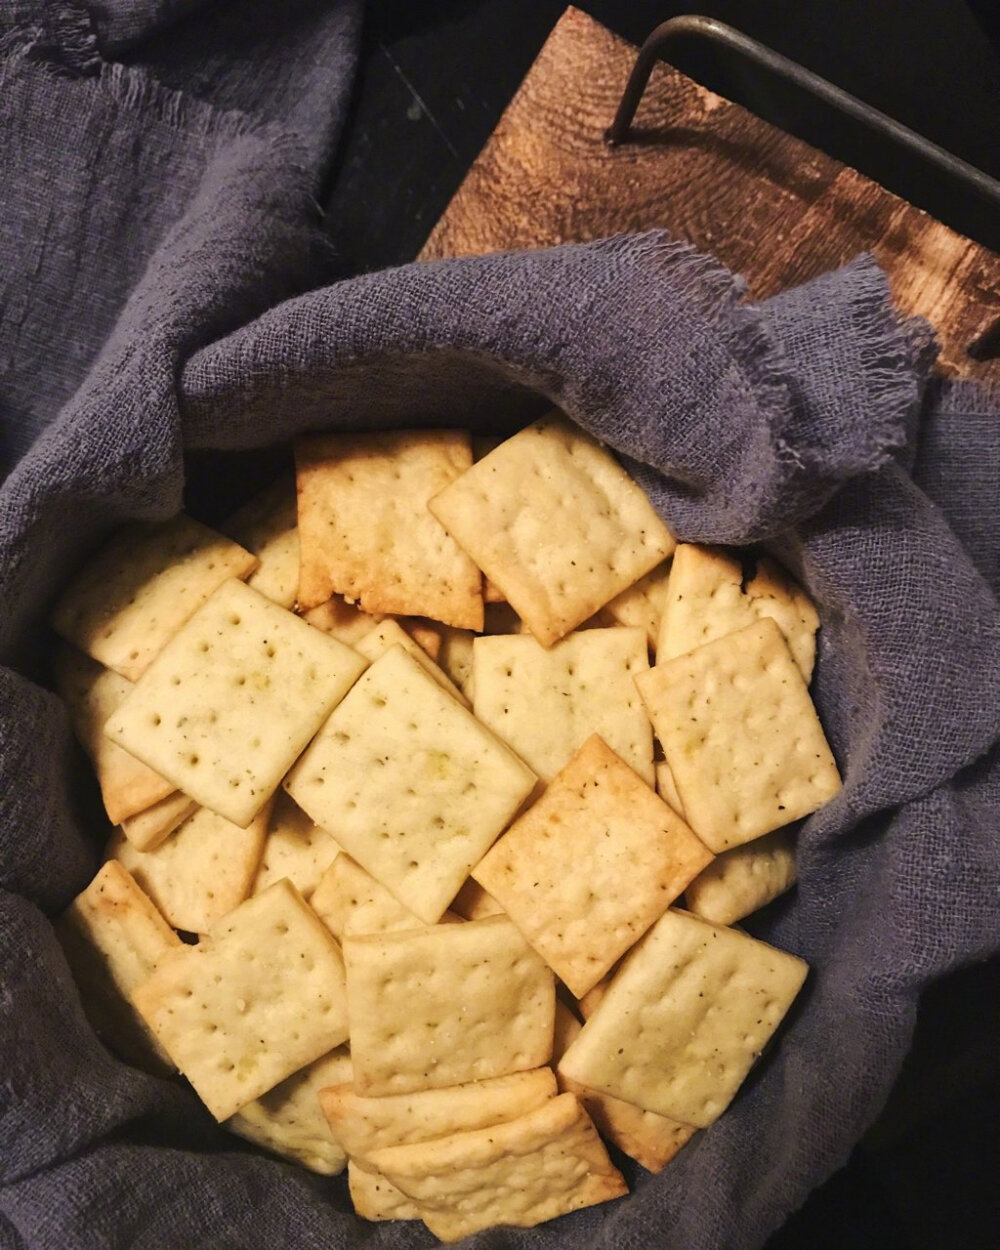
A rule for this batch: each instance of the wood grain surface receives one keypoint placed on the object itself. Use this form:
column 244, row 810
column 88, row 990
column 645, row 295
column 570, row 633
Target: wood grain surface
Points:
column 766, row 204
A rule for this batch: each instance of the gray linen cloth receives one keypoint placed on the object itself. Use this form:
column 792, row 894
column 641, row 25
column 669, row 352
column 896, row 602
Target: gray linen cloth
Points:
column 157, row 222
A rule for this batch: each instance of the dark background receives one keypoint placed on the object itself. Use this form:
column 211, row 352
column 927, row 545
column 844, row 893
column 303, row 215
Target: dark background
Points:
column 435, row 77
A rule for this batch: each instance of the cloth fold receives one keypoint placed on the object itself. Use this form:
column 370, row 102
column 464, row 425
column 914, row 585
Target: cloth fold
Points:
column 793, row 422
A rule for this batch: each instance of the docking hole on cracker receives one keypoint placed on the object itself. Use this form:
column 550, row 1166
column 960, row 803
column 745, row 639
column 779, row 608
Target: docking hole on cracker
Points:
column 434, row 788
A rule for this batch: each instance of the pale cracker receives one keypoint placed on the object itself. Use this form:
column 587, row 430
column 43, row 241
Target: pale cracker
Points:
column 455, row 656
column 409, row 783
column 140, row 588
column 666, row 787
column 341, row 620
column 588, row 1003
column 642, row 604
column 741, row 736
column 365, row 529
column 426, row 634
column 556, row 523
column 114, row 938
column 146, row 830
column 446, row 1005
column 591, row 865
column 473, row 903
column 744, row 879
column 548, row 1162
column 689, row 1011
column 289, row 1120
column 545, row 704
column 706, row 599
column 228, row 705
column 255, row 1001
column 92, row 692
column 390, row 633
column 295, row 847
column 267, row 526
column 201, row 872
column 349, row 901
column 482, row 445
column 651, row 1139
column 375, row 1197
column 363, row 1125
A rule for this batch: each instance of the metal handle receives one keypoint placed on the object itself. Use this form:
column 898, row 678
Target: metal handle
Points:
column 987, row 343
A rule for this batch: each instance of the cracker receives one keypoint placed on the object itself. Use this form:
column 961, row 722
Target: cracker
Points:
column 706, row 599
column 375, row 1197
column 114, row 938
column 147, row 830
column 201, row 872
column 641, row 606
column 390, row 633
column 341, row 620
column 295, row 847
column 455, row 657
column 289, row 1120
column 365, row 529
column 651, row 1139
column 546, row 703
column 683, row 1021
column 547, row 1162
column 349, row 901
column 591, row 865
column 473, row 903
column 140, row 588
column 744, row 879
column 446, row 1005
column 409, row 783
column 666, row 787
column 426, row 634
column 257, row 1000
column 231, row 701
column 741, row 736
column 556, row 523
column 363, row 1125
column 92, row 693
column 266, row 525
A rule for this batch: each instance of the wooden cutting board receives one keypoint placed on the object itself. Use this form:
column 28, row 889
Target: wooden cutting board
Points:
column 768, row 205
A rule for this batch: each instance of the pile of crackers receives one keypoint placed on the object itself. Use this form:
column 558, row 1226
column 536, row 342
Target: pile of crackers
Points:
column 410, row 770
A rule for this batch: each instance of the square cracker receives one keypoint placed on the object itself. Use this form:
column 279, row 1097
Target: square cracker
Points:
column 556, row 523
column 744, row 879
column 388, row 634
column 363, row 1125
column 350, row 901
column 114, row 938
column 201, row 872
column 295, row 847
column 409, row 783
column 741, row 736
column 548, row 1162
column 255, row 1001
column 231, row 701
column 92, row 693
column 267, row 526
column 689, row 1011
column 140, row 588
column 545, row 704
column 147, row 830
column 365, row 530
column 651, row 1139
column 641, row 605
column 706, row 598
column 375, row 1197
column 591, row 865
column 289, row 1119
column 446, row 1005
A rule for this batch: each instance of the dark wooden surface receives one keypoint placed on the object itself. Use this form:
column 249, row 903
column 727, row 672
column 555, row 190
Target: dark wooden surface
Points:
column 768, row 205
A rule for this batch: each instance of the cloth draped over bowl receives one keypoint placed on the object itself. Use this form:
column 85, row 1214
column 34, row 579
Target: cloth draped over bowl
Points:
column 163, row 321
